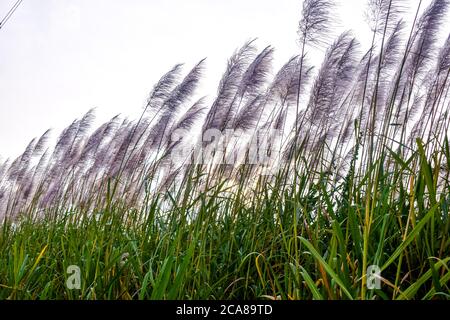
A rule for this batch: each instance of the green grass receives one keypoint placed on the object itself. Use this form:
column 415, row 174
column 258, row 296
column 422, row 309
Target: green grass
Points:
column 227, row 245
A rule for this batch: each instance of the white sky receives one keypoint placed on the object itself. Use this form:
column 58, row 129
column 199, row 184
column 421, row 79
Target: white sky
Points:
column 59, row 58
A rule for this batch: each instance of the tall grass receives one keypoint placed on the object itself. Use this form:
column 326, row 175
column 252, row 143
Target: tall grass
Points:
column 358, row 176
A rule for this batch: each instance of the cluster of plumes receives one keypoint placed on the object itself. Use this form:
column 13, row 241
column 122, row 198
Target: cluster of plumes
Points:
column 394, row 93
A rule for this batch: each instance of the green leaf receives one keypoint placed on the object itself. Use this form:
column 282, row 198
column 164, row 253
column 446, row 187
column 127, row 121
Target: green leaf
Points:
column 311, row 285
column 412, row 289
column 327, row 268
column 410, row 236
column 426, row 169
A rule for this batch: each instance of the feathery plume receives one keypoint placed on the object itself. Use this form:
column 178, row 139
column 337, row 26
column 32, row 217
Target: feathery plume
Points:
column 185, row 89
column 256, row 74
column 164, row 87
column 444, row 57
column 425, row 37
column 221, row 112
column 382, row 14
column 65, row 138
column 391, row 51
column 285, row 84
column 24, row 162
column 40, row 145
column 3, row 169
column 158, row 133
column 315, row 21
column 186, row 122
column 333, row 79
column 191, row 115
column 247, row 116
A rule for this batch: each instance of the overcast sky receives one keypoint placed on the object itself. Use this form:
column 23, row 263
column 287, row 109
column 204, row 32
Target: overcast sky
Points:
column 59, row 58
